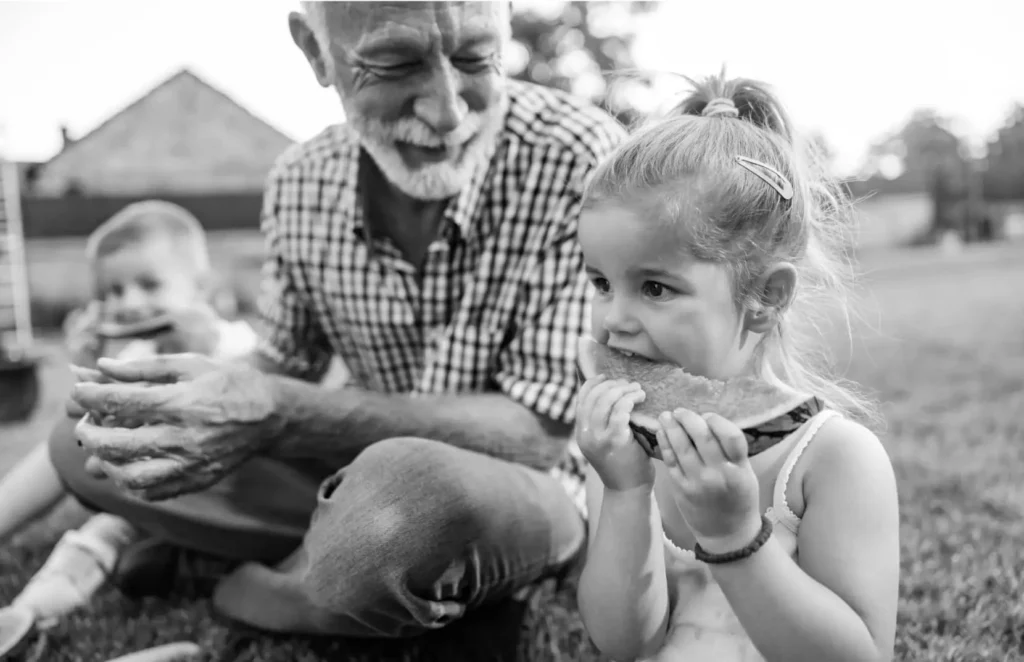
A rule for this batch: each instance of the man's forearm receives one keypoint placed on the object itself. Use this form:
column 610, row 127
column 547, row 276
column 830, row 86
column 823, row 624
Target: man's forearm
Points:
column 334, row 424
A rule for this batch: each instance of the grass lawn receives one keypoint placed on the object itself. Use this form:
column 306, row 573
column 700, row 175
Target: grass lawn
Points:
column 942, row 346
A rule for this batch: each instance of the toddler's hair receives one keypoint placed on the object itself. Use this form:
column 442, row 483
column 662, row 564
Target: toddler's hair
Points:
column 149, row 219
column 742, row 215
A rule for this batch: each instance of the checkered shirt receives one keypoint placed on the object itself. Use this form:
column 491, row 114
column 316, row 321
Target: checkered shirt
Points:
column 502, row 297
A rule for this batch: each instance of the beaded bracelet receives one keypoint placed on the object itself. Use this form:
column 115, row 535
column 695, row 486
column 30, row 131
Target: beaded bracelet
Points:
column 739, row 554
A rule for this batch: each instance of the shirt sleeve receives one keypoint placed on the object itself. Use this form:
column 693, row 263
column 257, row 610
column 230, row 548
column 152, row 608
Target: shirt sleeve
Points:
column 290, row 335
column 537, row 368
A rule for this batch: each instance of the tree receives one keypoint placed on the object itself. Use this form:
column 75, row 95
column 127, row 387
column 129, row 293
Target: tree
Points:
column 582, row 47
column 1004, row 163
column 925, row 156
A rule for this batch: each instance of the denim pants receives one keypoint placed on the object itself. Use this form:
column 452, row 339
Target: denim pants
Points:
column 407, row 537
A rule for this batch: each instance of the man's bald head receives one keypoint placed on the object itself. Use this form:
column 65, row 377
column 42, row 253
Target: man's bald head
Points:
column 345, row 22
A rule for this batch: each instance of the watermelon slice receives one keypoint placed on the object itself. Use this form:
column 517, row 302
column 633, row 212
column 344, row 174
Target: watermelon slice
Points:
column 746, row 401
column 145, row 328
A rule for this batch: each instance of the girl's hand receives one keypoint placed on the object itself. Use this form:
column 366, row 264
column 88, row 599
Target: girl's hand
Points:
column 604, row 437
column 718, row 490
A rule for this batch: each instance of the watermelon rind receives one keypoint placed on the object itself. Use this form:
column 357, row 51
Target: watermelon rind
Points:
column 745, row 401
column 114, row 330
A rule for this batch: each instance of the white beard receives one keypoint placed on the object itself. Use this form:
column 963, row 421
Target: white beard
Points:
column 477, row 136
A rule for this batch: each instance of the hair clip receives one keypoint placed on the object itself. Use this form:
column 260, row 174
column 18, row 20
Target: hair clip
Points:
column 770, row 175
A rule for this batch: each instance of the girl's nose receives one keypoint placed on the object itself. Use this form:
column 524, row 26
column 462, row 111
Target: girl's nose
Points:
column 131, row 297
column 618, row 319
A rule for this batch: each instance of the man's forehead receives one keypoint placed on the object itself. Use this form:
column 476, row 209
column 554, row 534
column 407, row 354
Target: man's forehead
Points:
column 359, row 24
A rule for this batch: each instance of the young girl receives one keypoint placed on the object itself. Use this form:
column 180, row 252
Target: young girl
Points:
column 708, row 236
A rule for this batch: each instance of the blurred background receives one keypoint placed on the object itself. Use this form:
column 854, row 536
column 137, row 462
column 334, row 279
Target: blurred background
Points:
column 918, row 104
column 103, row 103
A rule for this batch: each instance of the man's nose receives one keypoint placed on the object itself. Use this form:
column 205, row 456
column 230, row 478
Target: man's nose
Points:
column 442, row 106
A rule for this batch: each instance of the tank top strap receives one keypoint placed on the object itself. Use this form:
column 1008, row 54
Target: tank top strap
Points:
column 779, row 502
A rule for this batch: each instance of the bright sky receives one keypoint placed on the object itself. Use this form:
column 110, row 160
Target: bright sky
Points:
column 853, row 70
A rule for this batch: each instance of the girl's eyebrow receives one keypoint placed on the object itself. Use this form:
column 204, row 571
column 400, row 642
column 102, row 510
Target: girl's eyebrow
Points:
column 654, row 272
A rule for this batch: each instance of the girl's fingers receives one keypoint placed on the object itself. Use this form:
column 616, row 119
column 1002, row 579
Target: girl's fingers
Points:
column 731, row 440
column 700, row 435
column 668, row 455
column 587, row 390
column 623, row 407
column 618, row 421
column 596, row 413
column 586, row 405
column 677, row 440
column 605, row 402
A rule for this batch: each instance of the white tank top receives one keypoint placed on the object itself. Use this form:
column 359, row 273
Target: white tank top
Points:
column 703, row 626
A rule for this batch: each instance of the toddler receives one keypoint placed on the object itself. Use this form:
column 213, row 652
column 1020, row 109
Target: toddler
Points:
column 149, row 262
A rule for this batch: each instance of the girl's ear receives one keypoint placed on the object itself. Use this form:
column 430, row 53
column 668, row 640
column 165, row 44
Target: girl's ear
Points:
column 776, row 289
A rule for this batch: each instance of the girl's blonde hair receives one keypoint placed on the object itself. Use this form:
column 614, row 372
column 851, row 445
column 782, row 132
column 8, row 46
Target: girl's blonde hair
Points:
column 745, row 222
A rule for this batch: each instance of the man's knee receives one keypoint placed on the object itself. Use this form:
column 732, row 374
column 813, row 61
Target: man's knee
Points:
column 402, row 455
column 386, row 521
column 407, row 479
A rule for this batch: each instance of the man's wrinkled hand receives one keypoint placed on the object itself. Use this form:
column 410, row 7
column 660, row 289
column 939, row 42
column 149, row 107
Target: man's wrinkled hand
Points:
column 175, row 424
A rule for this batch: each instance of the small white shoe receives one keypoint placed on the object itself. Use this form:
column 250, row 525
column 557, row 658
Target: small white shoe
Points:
column 76, row 569
column 16, row 627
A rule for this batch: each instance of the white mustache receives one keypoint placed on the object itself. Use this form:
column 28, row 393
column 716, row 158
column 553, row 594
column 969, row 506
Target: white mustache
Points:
column 415, row 131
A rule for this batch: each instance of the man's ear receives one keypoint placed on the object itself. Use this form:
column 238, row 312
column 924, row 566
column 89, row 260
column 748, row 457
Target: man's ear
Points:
column 775, row 290
column 305, row 39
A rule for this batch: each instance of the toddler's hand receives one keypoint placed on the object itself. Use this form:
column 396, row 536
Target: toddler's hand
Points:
column 81, row 338
column 718, row 491
column 604, row 436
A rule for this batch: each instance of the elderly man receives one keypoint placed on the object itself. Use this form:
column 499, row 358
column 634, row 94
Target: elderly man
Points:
column 430, row 242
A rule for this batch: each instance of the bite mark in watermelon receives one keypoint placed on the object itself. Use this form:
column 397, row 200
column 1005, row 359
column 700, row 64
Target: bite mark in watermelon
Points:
column 153, row 326
column 746, row 401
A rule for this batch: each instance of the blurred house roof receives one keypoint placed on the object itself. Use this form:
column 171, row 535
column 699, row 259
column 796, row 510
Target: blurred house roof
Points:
column 183, row 136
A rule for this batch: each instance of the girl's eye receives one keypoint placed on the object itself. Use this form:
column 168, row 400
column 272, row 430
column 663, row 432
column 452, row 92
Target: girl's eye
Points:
column 601, row 285
column 654, row 289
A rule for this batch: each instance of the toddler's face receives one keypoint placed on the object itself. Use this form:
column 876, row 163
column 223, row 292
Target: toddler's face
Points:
column 145, row 279
column 653, row 299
